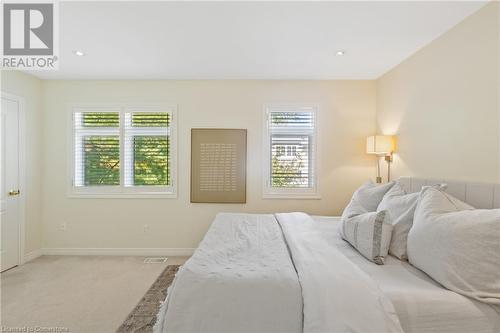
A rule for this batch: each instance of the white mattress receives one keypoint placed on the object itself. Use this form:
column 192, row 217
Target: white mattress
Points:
column 421, row 303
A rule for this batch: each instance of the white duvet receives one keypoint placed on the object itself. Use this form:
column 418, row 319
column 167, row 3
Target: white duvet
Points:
column 265, row 273
column 337, row 295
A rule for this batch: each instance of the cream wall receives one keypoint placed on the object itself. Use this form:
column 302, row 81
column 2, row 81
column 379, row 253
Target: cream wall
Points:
column 347, row 116
column 29, row 88
column 443, row 102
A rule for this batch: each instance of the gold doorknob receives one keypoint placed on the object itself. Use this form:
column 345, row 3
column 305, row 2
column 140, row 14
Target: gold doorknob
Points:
column 14, row 192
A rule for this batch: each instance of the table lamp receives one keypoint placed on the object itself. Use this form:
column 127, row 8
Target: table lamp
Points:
column 381, row 145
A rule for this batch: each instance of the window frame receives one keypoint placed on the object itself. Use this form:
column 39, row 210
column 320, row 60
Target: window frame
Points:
column 269, row 192
column 122, row 191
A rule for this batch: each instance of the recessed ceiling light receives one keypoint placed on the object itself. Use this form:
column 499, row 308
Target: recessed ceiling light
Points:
column 340, row 52
column 79, row 53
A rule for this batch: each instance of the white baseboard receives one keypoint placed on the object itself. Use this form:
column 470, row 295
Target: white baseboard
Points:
column 181, row 252
column 32, row 255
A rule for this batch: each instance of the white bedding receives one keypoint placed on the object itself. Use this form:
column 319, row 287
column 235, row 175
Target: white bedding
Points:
column 422, row 305
column 337, row 295
column 242, row 279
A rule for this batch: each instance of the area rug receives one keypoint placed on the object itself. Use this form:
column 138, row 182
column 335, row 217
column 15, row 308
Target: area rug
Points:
column 143, row 316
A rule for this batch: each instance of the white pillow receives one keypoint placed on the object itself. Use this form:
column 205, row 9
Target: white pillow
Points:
column 400, row 209
column 366, row 199
column 369, row 194
column 457, row 245
column 369, row 234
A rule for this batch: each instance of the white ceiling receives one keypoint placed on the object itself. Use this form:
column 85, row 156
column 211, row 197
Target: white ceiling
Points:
column 246, row 40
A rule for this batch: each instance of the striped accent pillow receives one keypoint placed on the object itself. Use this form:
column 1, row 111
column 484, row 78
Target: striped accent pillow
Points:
column 370, row 234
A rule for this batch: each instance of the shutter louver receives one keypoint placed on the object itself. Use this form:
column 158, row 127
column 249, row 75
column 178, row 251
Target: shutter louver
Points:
column 101, row 160
column 107, row 149
column 147, row 149
column 97, row 148
column 151, row 160
column 291, row 149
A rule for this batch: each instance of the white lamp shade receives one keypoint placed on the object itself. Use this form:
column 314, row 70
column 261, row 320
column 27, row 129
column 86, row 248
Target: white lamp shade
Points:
column 380, row 144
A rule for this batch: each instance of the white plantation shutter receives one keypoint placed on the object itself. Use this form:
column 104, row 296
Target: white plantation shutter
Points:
column 147, row 146
column 290, row 164
column 97, row 148
column 122, row 150
column 291, row 136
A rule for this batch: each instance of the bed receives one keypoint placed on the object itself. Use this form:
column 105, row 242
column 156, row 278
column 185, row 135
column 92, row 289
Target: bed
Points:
column 294, row 273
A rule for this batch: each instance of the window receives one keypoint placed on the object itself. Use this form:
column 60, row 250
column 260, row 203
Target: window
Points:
column 123, row 151
column 290, row 148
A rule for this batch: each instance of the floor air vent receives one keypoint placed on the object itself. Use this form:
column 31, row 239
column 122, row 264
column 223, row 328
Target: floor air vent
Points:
column 155, row 260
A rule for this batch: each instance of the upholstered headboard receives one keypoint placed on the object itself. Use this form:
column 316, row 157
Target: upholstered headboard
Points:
column 478, row 195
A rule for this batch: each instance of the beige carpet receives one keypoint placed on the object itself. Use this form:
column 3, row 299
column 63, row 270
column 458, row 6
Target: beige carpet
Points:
column 143, row 316
column 85, row 294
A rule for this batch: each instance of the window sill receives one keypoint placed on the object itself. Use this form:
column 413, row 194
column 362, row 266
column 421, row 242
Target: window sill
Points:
column 291, row 196
column 134, row 195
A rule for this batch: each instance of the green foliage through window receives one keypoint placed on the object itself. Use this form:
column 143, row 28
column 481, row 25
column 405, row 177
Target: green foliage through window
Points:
column 101, row 158
column 291, row 148
column 156, row 119
column 290, row 161
column 100, row 119
column 146, row 149
column 291, row 119
column 151, row 160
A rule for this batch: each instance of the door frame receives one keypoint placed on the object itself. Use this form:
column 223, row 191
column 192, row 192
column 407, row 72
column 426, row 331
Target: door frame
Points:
column 22, row 169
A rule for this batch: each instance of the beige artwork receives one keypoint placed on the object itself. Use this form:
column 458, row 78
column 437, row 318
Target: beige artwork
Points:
column 218, row 165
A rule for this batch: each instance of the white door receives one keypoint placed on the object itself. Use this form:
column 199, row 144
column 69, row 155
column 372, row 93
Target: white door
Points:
column 9, row 183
